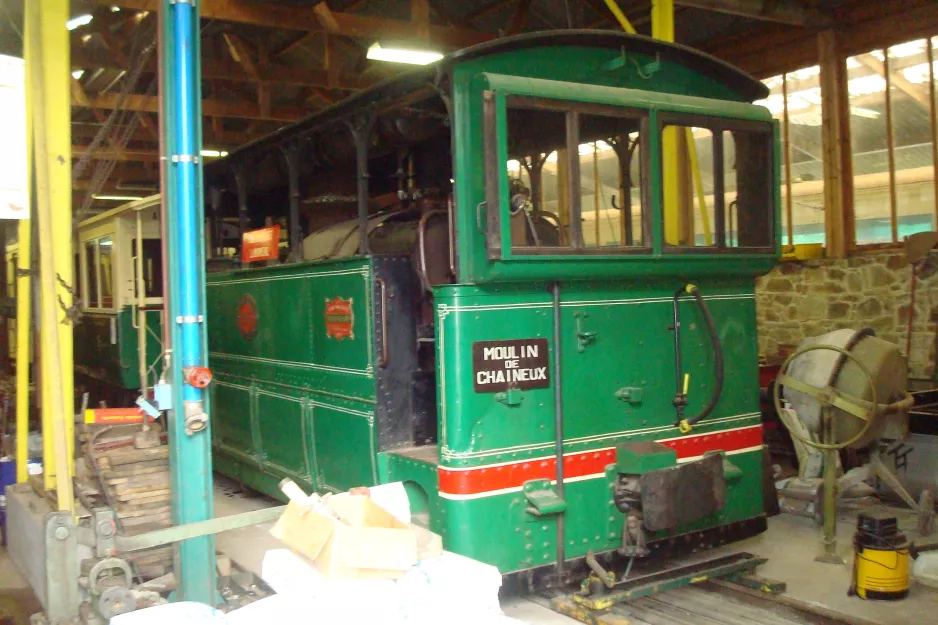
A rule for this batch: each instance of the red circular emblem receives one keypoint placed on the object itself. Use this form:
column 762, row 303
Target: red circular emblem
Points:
column 247, row 317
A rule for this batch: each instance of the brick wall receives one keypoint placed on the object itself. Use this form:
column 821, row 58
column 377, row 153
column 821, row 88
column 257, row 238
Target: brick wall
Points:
column 800, row 299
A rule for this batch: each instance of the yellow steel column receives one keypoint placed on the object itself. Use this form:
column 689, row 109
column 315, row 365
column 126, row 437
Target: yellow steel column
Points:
column 47, row 64
column 662, row 27
column 24, row 291
column 23, row 297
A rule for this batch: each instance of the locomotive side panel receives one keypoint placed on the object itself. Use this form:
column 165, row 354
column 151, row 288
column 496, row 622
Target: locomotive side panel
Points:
column 292, row 351
column 617, row 371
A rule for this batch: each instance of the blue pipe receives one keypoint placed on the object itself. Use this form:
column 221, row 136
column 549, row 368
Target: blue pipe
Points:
column 190, row 447
column 189, row 350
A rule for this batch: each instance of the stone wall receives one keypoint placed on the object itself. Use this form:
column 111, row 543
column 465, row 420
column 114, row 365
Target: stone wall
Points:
column 807, row 298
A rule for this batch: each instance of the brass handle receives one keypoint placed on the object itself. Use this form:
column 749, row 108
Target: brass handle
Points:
column 382, row 285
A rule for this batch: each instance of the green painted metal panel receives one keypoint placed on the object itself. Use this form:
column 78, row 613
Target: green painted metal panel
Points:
column 291, row 399
column 344, row 443
column 291, row 346
column 281, row 423
column 632, row 347
column 106, row 346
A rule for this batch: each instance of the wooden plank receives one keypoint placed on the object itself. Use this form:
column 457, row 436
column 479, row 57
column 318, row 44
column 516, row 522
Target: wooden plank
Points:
column 117, row 458
column 144, row 499
column 152, row 513
column 136, row 470
column 160, row 477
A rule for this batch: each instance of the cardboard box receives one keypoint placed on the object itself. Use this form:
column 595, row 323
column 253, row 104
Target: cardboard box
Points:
column 368, row 542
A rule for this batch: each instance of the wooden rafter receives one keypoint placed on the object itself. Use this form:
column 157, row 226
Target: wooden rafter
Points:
column 486, row 10
column 517, row 20
column 420, row 16
column 916, row 92
column 210, row 108
column 270, row 73
column 107, row 154
column 296, row 18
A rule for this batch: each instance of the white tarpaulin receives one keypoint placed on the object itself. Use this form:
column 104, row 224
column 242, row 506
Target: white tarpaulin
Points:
column 13, row 182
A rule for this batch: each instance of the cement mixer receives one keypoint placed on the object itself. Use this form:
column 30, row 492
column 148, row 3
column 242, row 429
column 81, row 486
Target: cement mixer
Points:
column 848, row 389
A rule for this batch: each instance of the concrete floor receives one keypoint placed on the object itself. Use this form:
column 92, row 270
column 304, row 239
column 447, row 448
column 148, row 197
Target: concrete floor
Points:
column 790, row 544
column 17, row 601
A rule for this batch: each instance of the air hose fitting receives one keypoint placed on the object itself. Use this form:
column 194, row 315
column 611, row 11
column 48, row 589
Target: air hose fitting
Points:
column 680, row 397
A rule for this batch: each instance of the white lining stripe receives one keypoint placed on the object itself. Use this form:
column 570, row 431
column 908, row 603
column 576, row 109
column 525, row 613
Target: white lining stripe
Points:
column 450, row 455
column 302, row 365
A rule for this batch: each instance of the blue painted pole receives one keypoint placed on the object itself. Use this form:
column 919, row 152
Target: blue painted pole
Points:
column 189, row 436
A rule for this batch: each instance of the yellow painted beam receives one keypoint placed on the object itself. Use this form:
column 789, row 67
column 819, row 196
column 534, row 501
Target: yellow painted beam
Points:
column 620, row 17
column 24, row 295
column 662, row 27
column 47, row 64
column 662, row 19
column 22, row 342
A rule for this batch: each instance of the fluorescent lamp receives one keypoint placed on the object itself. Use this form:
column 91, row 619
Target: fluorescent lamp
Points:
column 214, row 153
column 81, row 20
column 78, row 73
column 402, row 55
column 118, row 198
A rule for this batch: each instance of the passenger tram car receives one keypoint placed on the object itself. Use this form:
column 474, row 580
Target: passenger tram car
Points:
column 528, row 294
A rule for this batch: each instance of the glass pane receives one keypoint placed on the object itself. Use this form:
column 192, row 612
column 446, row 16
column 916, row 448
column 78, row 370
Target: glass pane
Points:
column 537, row 178
column 912, row 136
column 92, row 274
column 105, row 254
column 747, row 189
column 610, row 181
column 807, row 155
column 688, row 185
column 866, row 87
column 776, row 105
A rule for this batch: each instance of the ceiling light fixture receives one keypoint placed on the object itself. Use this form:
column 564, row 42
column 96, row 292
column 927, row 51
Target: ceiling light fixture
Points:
column 81, row 20
column 78, row 73
column 411, row 56
column 118, row 198
column 214, row 153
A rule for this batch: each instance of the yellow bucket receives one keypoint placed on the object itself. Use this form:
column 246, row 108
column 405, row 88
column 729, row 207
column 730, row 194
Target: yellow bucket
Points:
column 881, row 559
column 882, row 574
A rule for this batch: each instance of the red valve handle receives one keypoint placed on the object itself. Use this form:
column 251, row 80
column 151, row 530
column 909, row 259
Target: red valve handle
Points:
column 199, row 377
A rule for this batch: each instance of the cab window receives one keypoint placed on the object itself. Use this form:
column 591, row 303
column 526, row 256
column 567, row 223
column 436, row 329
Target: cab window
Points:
column 575, row 178
column 716, row 190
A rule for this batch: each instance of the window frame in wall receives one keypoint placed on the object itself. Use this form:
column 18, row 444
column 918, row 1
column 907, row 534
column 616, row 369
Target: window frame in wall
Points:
column 787, row 164
column 894, row 81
